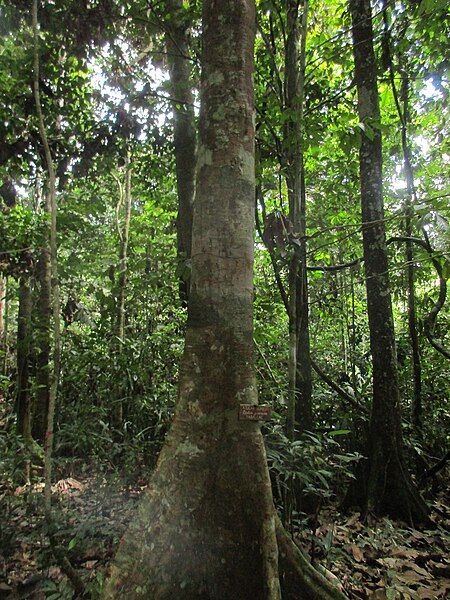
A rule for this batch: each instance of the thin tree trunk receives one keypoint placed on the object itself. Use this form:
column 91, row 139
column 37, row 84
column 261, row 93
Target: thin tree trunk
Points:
column 390, row 490
column 54, row 318
column 300, row 376
column 303, row 383
column 416, row 408
column 411, row 199
column 42, row 337
column 119, row 321
column 185, row 144
column 3, row 324
column 51, row 273
column 23, row 359
column 353, row 333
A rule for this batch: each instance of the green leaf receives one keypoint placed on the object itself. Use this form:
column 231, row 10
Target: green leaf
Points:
column 72, row 543
column 336, row 432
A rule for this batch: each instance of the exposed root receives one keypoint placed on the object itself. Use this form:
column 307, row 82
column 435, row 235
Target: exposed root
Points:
column 298, row 578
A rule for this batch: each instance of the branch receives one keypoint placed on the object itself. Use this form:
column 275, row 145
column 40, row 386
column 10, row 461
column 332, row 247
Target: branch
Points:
column 334, row 268
column 414, row 240
column 437, row 467
column 275, row 71
column 271, row 373
column 337, row 388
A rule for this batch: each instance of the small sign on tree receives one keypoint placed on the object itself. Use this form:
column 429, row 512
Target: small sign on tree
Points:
column 254, row 412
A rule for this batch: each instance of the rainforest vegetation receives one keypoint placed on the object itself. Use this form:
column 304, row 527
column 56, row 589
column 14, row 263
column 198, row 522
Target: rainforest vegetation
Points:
column 224, row 323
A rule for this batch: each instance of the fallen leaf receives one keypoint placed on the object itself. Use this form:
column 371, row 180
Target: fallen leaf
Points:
column 419, row 570
column 353, row 519
column 409, row 577
column 390, row 563
column 402, row 552
column 426, row 593
column 357, row 553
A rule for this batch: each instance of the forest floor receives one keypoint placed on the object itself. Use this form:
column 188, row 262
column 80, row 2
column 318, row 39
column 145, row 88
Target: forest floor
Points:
column 379, row 559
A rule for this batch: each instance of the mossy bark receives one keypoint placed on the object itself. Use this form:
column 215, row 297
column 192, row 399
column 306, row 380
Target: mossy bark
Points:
column 390, row 490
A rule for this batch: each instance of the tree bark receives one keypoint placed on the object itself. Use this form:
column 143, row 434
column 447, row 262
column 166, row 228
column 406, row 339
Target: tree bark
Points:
column 206, row 528
column 390, row 490
column 184, row 132
column 23, row 359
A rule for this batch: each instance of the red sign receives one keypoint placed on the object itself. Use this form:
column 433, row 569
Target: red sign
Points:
column 254, row 412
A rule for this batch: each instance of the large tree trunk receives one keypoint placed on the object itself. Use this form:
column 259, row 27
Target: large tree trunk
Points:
column 23, row 359
column 184, row 137
column 207, row 526
column 390, row 490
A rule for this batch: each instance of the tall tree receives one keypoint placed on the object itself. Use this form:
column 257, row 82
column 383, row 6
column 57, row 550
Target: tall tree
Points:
column 185, row 143
column 389, row 489
column 51, row 274
column 208, row 512
column 290, row 97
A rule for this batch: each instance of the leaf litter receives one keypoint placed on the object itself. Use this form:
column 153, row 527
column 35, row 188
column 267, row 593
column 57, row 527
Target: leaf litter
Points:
column 380, row 559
